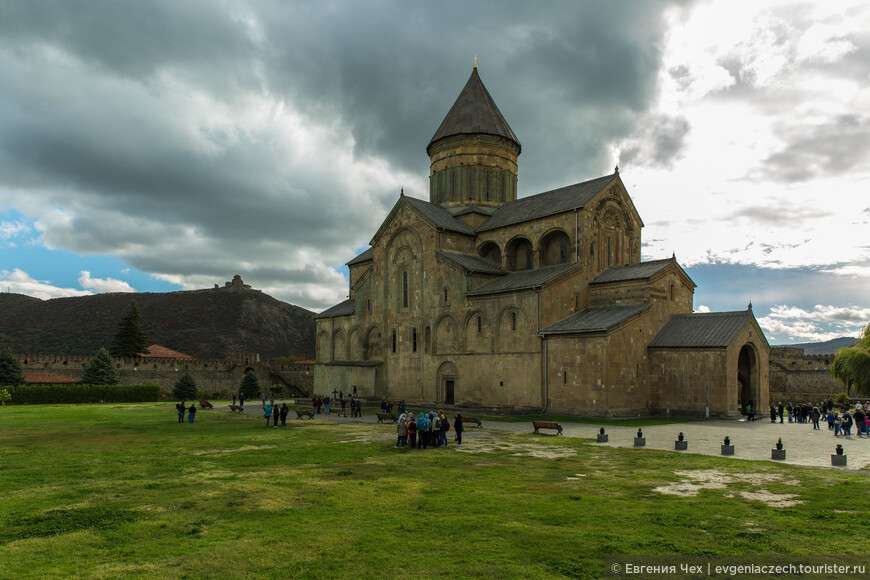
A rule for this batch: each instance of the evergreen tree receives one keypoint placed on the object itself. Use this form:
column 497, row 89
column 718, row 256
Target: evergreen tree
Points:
column 851, row 366
column 130, row 340
column 10, row 368
column 250, row 386
column 101, row 370
column 185, row 388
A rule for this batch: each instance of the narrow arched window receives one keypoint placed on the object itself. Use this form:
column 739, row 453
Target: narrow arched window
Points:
column 445, row 295
column 414, row 340
column 394, row 341
column 513, row 320
column 404, row 289
column 479, row 325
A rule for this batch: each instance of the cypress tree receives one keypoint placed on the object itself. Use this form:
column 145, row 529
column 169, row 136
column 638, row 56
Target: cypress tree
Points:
column 130, row 340
column 101, row 370
column 185, row 388
column 250, row 386
column 10, row 368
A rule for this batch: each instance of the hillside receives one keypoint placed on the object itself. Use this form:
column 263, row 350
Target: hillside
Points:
column 202, row 323
column 827, row 347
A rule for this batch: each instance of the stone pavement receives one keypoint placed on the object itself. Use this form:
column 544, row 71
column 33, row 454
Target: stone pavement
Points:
column 752, row 440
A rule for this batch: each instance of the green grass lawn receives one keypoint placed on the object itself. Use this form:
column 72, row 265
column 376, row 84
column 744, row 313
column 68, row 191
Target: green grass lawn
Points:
column 124, row 491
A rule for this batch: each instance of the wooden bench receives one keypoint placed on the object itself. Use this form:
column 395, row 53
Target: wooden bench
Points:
column 304, row 413
column 386, row 417
column 547, row 425
column 475, row 420
column 205, row 404
column 237, row 409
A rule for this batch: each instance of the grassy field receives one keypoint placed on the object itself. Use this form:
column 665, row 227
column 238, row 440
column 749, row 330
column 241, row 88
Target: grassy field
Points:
column 124, row 491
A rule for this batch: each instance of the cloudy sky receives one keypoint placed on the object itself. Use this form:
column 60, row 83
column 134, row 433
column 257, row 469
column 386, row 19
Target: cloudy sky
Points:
column 161, row 145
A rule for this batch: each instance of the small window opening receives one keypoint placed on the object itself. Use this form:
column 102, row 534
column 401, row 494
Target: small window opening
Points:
column 404, row 289
column 479, row 325
column 414, row 340
column 394, row 341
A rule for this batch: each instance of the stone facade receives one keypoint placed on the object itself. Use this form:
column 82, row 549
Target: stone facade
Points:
column 210, row 375
column 798, row 377
column 481, row 299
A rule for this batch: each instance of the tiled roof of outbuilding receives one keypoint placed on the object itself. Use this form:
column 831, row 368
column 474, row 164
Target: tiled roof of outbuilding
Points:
column 547, row 203
column 473, row 263
column 364, row 257
column 47, row 379
column 524, row 279
column 354, row 363
column 595, row 319
column 640, row 271
column 340, row 309
column 701, row 330
column 157, row 351
column 474, row 112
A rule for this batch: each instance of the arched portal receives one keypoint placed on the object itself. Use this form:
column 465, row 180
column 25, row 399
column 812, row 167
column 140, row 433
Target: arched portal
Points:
column 448, row 379
column 747, row 378
column 491, row 252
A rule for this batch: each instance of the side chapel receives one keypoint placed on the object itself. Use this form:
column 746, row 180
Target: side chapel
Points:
column 480, row 298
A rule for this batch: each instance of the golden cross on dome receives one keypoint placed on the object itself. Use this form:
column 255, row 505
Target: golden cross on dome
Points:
column 475, row 59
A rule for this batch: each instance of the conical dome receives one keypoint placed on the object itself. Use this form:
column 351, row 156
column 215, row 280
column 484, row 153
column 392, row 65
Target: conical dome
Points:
column 473, row 154
column 474, row 112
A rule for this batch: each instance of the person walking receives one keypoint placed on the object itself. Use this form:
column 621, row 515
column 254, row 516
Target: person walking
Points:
column 267, row 412
column 326, row 402
column 234, row 399
column 343, row 408
column 445, row 427
column 191, row 413
column 284, row 411
column 815, row 415
column 459, row 428
column 181, row 408
column 241, row 400
column 780, row 410
column 276, row 411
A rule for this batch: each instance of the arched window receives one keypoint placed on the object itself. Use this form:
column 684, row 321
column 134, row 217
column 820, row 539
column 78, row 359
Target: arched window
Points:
column 479, row 325
column 394, row 342
column 513, row 320
column 445, row 295
column 404, row 289
column 414, row 340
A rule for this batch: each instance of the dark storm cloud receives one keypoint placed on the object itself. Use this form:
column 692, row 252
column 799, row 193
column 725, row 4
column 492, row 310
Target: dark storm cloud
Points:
column 195, row 138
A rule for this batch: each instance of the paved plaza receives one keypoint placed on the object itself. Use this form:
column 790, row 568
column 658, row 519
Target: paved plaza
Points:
column 751, row 440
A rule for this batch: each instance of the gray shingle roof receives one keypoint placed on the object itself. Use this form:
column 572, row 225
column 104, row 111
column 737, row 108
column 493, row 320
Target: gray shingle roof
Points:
column 364, row 257
column 340, row 309
column 473, row 263
column 640, row 271
column 701, row 330
column 544, row 204
column 523, row 279
column 474, row 112
column 439, row 216
column 595, row 319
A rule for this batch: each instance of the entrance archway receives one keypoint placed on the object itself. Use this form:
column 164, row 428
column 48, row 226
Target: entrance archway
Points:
column 747, row 378
column 448, row 379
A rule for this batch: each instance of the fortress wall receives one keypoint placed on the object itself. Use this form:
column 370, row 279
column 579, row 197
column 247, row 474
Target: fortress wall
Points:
column 210, row 375
column 798, row 377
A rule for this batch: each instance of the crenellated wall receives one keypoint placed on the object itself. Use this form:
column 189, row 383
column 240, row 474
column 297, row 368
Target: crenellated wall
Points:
column 210, row 375
column 798, row 377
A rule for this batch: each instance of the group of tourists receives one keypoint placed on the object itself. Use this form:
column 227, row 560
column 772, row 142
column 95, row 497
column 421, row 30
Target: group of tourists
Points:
column 241, row 398
column 429, row 430
column 276, row 412
column 839, row 421
column 182, row 408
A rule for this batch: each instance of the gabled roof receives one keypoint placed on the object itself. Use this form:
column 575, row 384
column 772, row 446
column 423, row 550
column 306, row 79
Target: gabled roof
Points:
column 701, row 330
column 439, row 216
column 473, row 263
column 642, row 271
column 524, row 279
column 340, row 309
column 157, row 351
column 474, row 112
column 487, row 211
column 366, row 256
column 547, row 203
column 432, row 213
column 595, row 319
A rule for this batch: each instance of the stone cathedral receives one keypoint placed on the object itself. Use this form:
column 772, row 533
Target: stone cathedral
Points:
column 480, row 298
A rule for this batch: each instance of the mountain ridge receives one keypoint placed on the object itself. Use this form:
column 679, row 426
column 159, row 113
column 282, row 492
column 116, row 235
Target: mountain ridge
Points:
column 206, row 323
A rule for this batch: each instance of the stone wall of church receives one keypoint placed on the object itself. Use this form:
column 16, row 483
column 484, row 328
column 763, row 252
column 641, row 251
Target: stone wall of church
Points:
column 479, row 169
column 599, row 374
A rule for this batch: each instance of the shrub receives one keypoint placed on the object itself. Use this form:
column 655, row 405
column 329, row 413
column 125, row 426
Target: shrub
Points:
column 51, row 394
column 4, row 396
column 841, row 399
column 185, row 388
